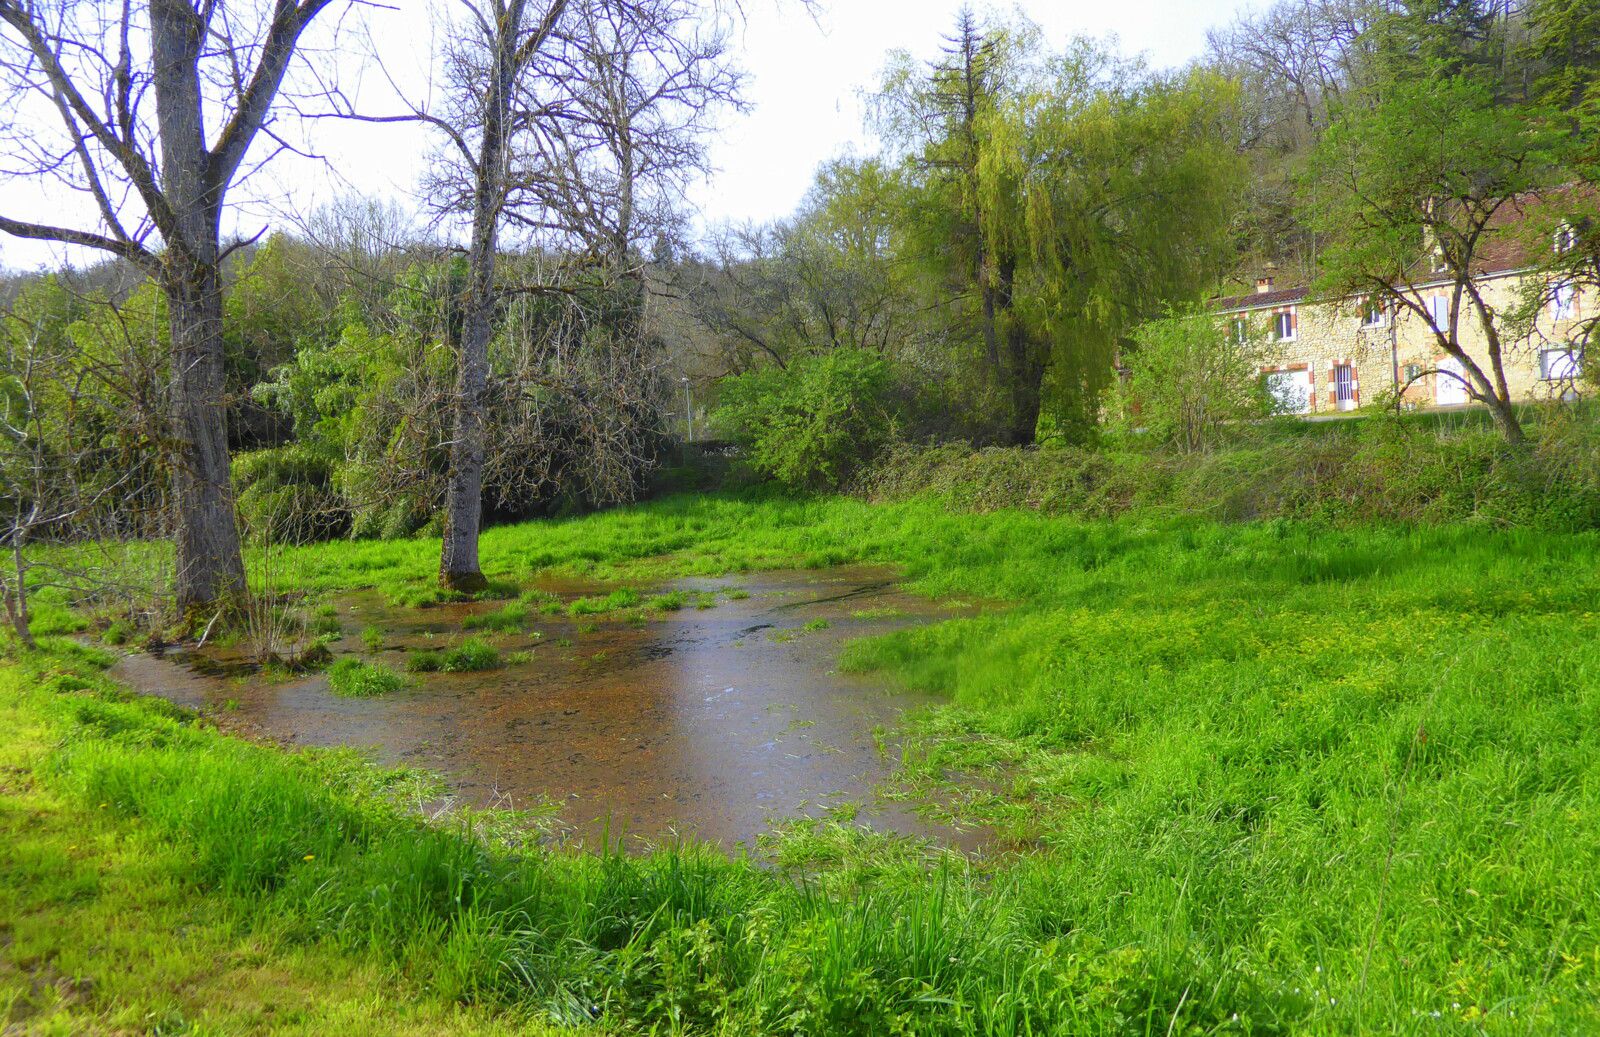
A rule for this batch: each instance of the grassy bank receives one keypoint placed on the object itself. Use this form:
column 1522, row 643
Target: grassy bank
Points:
column 1434, row 469
column 1274, row 778
column 107, row 927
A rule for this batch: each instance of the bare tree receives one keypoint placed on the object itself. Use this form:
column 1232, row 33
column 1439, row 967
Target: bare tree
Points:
column 55, row 482
column 156, row 108
column 571, row 122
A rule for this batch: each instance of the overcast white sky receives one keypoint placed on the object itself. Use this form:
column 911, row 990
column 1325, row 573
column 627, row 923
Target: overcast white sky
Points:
column 805, row 79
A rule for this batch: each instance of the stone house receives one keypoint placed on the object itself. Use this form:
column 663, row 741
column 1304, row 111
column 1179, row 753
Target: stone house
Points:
column 1339, row 354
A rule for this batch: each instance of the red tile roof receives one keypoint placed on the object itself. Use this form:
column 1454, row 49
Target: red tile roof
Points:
column 1259, row 300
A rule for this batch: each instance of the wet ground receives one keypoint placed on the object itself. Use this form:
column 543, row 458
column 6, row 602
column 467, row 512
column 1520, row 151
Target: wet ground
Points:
column 711, row 723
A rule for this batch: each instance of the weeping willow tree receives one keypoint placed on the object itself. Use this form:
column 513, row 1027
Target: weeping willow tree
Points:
column 1061, row 198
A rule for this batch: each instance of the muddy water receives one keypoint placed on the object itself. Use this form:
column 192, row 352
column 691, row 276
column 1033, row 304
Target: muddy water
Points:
column 711, row 723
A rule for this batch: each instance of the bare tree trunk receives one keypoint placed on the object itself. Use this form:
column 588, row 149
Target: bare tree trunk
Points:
column 459, row 569
column 226, row 59
column 1505, row 418
column 210, row 565
column 458, row 562
column 16, row 598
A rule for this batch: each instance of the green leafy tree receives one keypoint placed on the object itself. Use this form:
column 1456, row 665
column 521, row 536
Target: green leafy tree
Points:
column 1190, row 377
column 1062, row 198
column 1412, row 184
column 810, row 424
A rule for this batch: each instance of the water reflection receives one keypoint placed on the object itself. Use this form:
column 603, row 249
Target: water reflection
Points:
column 710, row 723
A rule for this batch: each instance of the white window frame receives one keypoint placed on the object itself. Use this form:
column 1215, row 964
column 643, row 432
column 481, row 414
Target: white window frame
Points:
column 1294, row 325
column 1439, row 310
column 1570, row 369
column 1374, row 313
column 1566, row 238
column 1564, row 301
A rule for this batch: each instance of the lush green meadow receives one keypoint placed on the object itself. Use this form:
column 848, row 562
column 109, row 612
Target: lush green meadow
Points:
column 1263, row 778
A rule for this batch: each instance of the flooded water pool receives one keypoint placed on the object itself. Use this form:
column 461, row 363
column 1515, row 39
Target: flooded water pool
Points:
column 707, row 723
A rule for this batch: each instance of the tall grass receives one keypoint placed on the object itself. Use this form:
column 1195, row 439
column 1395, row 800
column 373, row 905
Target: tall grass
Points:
column 1271, row 778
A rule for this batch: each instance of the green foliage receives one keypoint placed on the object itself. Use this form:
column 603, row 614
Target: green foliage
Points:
column 810, row 424
column 1426, row 469
column 508, row 618
column 1054, row 201
column 621, row 598
column 353, row 678
column 470, row 656
column 425, row 662
column 1267, row 745
column 1190, row 379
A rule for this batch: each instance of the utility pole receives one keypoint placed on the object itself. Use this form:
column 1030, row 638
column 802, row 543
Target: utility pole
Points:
column 1394, row 354
column 688, row 406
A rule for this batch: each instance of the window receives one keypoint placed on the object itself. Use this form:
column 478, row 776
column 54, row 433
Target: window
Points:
column 1238, row 330
column 1566, row 239
column 1413, row 372
column 1563, row 364
column 1439, row 311
column 1373, row 314
column 1563, row 302
column 1291, row 391
column 1283, row 325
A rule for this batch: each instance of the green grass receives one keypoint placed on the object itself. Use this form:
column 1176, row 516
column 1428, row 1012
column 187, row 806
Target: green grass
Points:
column 616, row 601
column 508, row 618
column 105, row 930
column 427, row 661
column 470, row 656
column 1323, row 780
column 353, row 678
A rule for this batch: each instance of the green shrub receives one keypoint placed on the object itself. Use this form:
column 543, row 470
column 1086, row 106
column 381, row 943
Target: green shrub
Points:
column 288, row 494
column 471, row 655
column 1381, row 468
column 811, row 424
column 354, row 679
column 425, row 662
column 372, row 638
column 1191, row 379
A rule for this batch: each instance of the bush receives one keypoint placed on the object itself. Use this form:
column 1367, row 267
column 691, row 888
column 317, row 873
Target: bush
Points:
column 287, row 494
column 811, row 424
column 353, row 679
column 1381, row 469
column 471, row 655
column 425, row 662
column 1191, row 378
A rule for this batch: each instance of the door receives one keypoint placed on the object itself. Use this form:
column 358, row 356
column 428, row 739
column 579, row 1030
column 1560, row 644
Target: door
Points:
column 1448, row 388
column 1344, row 386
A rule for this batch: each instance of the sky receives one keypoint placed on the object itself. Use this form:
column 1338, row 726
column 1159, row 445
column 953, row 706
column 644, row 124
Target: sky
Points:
column 806, row 73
